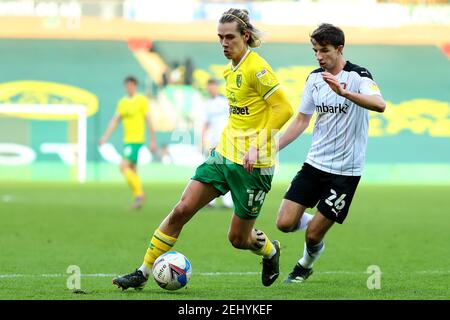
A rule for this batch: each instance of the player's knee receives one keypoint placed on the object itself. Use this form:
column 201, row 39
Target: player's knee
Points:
column 179, row 213
column 179, row 216
column 124, row 166
column 284, row 225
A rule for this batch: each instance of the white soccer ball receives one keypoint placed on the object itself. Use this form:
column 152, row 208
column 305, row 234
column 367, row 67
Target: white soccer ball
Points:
column 172, row 270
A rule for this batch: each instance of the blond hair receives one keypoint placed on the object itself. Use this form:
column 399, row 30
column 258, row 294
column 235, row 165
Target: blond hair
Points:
column 244, row 25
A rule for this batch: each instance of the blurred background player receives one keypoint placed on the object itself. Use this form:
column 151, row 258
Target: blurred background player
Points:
column 133, row 111
column 342, row 94
column 242, row 163
column 216, row 119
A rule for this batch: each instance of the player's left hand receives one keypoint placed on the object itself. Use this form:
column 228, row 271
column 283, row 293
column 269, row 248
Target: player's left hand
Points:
column 334, row 83
column 250, row 159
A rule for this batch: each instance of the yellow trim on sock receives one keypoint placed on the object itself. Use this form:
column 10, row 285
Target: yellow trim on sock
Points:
column 165, row 237
column 134, row 182
column 160, row 243
column 266, row 249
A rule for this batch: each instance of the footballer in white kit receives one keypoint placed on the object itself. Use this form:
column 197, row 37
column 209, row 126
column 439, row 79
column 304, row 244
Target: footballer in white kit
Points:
column 341, row 94
column 217, row 114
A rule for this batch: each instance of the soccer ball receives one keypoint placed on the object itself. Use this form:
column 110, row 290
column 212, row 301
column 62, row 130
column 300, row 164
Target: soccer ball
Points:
column 172, row 270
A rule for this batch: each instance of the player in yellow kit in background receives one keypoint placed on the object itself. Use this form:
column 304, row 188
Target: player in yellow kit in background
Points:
column 242, row 162
column 133, row 111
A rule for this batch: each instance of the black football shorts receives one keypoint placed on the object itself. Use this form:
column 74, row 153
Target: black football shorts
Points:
column 331, row 193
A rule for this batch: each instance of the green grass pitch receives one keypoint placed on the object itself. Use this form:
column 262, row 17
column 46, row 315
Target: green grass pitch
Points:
column 46, row 227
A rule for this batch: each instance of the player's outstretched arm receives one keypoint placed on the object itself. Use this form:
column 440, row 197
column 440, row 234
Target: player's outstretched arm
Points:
column 111, row 127
column 148, row 119
column 371, row 102
column 295, row 129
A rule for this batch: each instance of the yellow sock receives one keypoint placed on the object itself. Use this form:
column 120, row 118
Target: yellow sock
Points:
column 265, row 246
column 159, row 244
column 134, row 182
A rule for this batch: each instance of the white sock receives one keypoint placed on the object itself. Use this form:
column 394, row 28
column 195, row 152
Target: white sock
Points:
column 227, row 200
column 145, row 270
column 311, row 254
column 213, row 202
column 304, row 221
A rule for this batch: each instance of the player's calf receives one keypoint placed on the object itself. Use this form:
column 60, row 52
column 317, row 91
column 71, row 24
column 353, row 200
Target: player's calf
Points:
column 239, row 241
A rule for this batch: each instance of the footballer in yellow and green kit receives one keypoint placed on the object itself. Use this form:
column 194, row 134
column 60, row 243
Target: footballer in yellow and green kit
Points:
column 132, row 111
column 242, row 162
column 248, row 85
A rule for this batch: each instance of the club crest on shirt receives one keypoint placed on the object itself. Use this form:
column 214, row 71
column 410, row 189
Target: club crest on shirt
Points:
column 374, row 86
column 239, row 80
column 265, row 78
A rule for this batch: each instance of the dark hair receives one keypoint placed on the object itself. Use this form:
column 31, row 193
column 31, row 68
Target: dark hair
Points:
column 243, row 22
column 131, row 79
column 327, row 34
column 213, row 81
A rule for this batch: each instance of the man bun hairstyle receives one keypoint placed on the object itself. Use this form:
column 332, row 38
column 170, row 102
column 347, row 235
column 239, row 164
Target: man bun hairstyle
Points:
column 244, row 25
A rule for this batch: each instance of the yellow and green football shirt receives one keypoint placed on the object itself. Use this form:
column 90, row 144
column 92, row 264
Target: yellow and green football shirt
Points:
column 248, row 85
column 132, row 111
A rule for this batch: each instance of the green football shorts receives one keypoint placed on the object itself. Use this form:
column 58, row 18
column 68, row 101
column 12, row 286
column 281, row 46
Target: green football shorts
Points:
column 247, row 190
column 131, row 152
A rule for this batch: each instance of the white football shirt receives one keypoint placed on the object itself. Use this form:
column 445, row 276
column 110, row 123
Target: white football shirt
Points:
column 216, row 115
column 341, row 129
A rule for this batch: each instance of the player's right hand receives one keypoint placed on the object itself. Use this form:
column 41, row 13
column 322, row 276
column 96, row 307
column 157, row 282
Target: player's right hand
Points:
column 250, row 159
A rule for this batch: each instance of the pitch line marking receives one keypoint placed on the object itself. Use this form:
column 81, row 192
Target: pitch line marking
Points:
column 211, row 274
